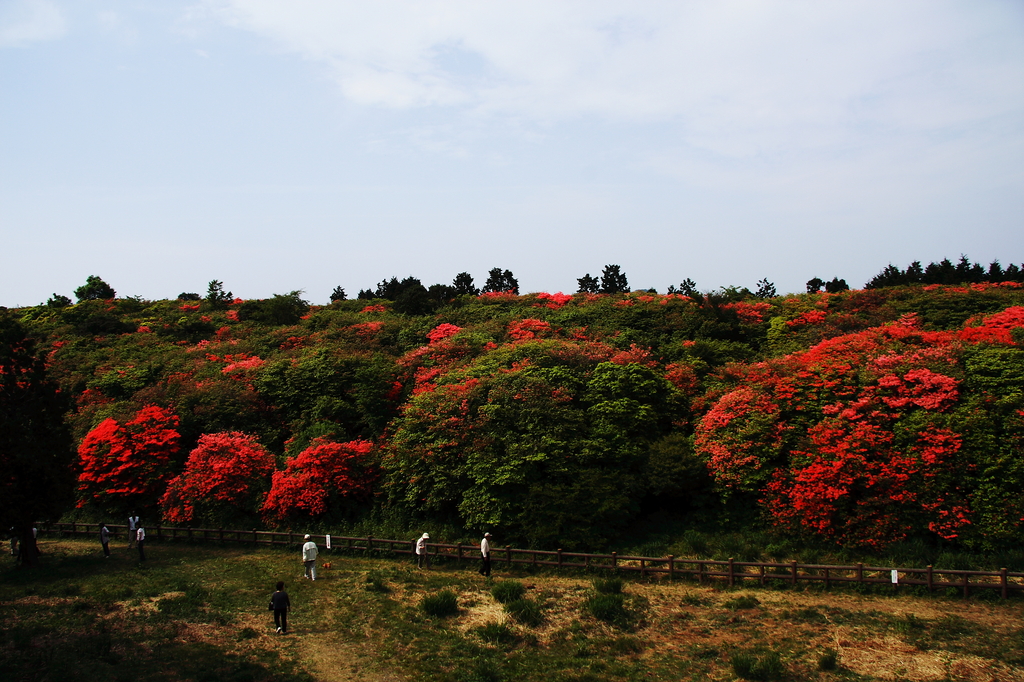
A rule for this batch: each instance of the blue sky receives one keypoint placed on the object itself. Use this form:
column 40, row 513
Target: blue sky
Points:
column 308, row 144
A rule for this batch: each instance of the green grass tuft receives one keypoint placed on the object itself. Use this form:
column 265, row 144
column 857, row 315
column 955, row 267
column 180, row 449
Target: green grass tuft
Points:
column 525, row 611
column 441, row 605
column 508, row 591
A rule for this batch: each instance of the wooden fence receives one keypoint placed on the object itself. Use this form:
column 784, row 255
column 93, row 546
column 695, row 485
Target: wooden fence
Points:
column 703, row 570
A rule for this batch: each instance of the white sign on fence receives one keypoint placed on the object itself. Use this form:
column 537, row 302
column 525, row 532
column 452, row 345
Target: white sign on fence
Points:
column 895, row 577
column 328, row 541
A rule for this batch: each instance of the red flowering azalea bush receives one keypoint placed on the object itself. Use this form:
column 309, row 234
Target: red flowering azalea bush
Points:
column 225, row 478
column 323, row 472
column 867, row 438
column 127, row 466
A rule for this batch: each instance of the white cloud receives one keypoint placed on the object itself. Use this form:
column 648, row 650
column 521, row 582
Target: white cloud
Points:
column 736, row 77
column 23, row 22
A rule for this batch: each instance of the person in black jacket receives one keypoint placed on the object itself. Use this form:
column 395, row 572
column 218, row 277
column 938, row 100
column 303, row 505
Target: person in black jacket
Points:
column 280, row 603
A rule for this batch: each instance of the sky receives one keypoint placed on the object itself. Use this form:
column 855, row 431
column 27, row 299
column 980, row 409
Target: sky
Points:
column 307, row 144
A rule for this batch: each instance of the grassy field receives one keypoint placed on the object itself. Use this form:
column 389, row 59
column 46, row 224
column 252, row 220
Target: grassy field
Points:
column 199, row 612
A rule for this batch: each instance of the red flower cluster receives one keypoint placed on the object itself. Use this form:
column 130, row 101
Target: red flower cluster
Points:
column 322, row 470
column 225, row 469
column 443, row 331
column 130, row 464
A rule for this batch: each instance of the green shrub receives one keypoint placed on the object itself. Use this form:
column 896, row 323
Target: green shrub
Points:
column 608, row 585
column 496, row 633
column 745, row 601
column 828, row 660
column 375, row 582
column 440, row 605
column 525, row 611
column 508, row 591
column 693, row 599
column 767, row 666
column 610, row 608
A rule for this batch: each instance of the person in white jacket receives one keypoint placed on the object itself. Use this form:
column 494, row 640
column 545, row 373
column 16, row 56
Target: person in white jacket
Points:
column 485, row 554
column 421, row 551
column 309, row 554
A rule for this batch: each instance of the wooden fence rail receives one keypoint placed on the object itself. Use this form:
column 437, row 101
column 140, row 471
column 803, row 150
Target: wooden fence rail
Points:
column 703, row 570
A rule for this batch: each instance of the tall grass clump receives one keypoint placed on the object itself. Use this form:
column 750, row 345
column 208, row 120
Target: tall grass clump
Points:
column 762, row 668
column 525, row 611
column 508, row 591
column 608, row 585
column 440, row 605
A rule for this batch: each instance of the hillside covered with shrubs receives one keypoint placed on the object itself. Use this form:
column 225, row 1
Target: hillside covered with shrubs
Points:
column 856, row 417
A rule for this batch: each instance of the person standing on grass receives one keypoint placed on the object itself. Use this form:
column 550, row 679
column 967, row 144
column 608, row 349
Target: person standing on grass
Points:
column 140, row 541
column 105, row 539
column 280, row 603
column 133, row 525
column 485, row 553
column 421, row 551
column 309, row 554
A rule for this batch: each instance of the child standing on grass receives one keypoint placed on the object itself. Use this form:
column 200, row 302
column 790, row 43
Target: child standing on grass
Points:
column 280, row 603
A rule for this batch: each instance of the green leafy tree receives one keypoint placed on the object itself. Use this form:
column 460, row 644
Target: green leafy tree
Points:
column 186, row 296
column 58, row 301
column 765, row 289
column 500, row 281
column 587, row 284
column 281, row 309
column 216, row 297
column 814, row 285
column 36, row 451
column 836, row 285
column 94, row 289
column 687, row 288
column 613, row 280
column 463, row 284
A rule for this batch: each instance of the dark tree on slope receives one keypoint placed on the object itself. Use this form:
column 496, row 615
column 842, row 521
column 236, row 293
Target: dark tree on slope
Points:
column 94, row 289
column 188, row 296
column 216, row 297
column 588, row 284
column 765, row 289
column 58, row 301
column 282, row 309
column 613, row 280
column 687, row 288
column 499, row 281
column 836, row 285
column 463, row 285
column 338, row 294
column 36, row 450
column 814, row 285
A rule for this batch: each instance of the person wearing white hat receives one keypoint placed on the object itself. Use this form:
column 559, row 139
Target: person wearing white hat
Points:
column 309, row 554
column 485, row 553
column 421, row 551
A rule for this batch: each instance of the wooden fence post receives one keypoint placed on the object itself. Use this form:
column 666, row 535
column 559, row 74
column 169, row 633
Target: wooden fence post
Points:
column 793, row 577
column 671, row 567
column 559, row 557
column 966, row 589
column 931, row 584
column 1002, row 583
column 255, row 538
column 615, row 561
column 508, row 555
column 731, row 574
